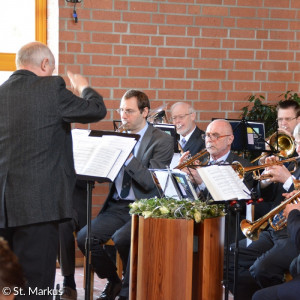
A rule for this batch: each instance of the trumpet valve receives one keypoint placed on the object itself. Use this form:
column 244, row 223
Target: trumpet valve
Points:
column 278, row 221
column 296, row 184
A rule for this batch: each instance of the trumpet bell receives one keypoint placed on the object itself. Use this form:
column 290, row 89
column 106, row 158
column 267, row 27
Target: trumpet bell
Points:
column 283, row 143
column 247, row 229
column 238, row 168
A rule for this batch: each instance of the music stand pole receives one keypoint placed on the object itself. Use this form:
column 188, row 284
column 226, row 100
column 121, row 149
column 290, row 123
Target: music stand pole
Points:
column 227, row 217
column 236, row 249
column 90, row 186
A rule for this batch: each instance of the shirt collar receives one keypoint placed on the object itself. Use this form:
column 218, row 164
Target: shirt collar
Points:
column 187, row 136
column 222, row 158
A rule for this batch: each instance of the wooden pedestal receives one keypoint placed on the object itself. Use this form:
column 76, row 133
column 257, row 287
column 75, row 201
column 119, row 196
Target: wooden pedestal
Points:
column 164, row 265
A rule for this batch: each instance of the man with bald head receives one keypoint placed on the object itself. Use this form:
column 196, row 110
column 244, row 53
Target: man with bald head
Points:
column 191, row 137
column 218, row 140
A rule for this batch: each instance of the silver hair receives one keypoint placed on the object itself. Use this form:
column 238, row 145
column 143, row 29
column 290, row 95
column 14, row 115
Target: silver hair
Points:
column 33, row 54
column 191, row 109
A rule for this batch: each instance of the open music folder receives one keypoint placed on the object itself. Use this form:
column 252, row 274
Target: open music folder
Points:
column 223, row 183
column 174, row 184
column 101, row 154
column 98, row 156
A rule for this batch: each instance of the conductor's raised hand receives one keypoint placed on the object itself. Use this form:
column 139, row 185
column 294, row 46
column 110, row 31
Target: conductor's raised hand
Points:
column 78, row 82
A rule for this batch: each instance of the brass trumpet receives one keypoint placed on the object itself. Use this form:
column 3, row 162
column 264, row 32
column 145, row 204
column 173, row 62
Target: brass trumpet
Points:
column 282, row 143
column 274, row 217
column 122, row 128
column 241, row 171
column 189, row 163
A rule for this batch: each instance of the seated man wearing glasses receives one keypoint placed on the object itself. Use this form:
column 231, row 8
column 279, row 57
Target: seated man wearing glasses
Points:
column 218, row 140
column 154, row 150
column 264, row 262
column 191, row 137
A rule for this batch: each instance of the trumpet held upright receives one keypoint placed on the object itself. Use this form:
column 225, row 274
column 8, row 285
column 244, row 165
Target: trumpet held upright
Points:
column 281, row 143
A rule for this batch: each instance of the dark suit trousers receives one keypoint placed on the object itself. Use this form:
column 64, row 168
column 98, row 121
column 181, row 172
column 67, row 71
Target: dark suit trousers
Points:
column 66, row 253
column 114, row 222
column 36, row 247
column 263, row 262
column 289, row 290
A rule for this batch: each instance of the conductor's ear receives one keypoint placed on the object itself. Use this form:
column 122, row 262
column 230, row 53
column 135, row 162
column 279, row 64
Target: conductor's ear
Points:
column 44, row 63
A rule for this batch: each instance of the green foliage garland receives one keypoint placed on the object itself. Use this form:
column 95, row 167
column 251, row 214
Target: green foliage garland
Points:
column 170, row 208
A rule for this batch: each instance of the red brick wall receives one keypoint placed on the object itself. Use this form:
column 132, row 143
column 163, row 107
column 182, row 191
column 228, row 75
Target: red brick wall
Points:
column 212, row 53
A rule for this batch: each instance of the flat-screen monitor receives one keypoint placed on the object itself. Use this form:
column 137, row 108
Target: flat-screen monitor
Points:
column 248, row 135
column 171, row 130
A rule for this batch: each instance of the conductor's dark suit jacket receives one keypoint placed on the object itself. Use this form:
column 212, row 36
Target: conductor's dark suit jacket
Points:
column 37, row 173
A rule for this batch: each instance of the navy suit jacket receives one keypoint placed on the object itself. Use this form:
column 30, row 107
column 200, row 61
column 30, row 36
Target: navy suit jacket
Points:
column 37, row 173
column 195, row 143
column 294, row 230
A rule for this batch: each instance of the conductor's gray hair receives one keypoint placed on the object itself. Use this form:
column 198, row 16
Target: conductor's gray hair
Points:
column 32, row 54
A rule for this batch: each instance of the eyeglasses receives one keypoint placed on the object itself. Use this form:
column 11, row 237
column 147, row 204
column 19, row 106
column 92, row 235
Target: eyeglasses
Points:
column 214, row 136
column 280, row 120
column 180, row 117
column 127, row 112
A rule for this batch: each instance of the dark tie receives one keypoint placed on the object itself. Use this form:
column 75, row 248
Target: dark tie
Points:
column 125, row 185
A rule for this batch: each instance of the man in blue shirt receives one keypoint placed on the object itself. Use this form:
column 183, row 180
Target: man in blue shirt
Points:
column 154, row 150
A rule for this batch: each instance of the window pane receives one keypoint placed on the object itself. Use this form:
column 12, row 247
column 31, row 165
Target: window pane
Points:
column 17, row 24
column 4, row 76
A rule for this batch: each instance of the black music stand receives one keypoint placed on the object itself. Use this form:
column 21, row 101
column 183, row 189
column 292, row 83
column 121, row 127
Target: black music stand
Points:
column 91, row 178
column 241, row 142
column 229, row 205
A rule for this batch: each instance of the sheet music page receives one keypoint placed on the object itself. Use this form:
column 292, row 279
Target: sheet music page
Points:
column 166, row 184
column 125, row 145
column 100, row 165
column 175, row 160
column 223, row 183
column 100, row 156
column 83, row 147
